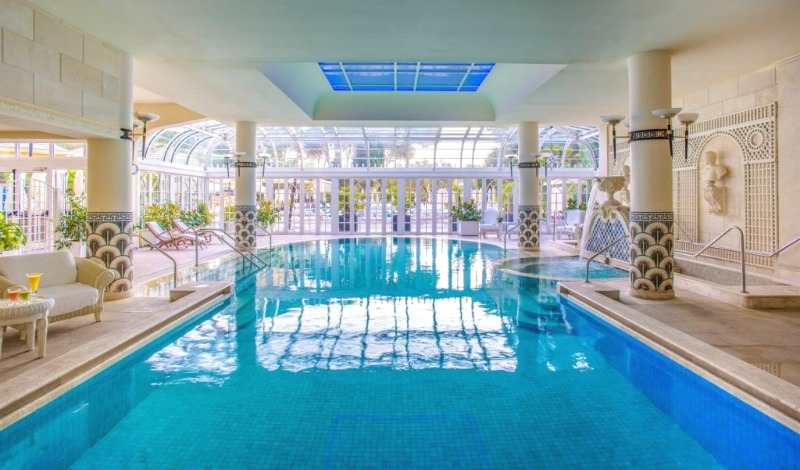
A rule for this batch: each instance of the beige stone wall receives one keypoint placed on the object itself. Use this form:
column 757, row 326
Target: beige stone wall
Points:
column 777, row 83
column 788, row 78
column 47, row 65
column 758, row 88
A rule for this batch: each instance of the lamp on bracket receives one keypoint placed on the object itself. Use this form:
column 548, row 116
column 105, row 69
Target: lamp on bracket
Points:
column 236, row 161
column 686, row 119
column 512, row 160
column 141, row 119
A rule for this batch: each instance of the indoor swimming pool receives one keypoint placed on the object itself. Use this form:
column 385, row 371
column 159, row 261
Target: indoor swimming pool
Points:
column 395, row 353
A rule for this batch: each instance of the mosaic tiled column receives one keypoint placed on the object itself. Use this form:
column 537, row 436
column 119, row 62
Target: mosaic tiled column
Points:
column 529, row 227
column 245, row 220
column 651, row 215
column 245, row 215
column 528, row 186
column 651, row 253
column 109, row 190
column 110, row 243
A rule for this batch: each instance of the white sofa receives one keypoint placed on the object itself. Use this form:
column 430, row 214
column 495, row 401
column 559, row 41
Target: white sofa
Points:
column 76, row 284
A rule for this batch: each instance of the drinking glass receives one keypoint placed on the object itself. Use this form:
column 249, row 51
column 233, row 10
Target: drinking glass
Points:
column 24, row 294
column 13, row 294
column 33, row 282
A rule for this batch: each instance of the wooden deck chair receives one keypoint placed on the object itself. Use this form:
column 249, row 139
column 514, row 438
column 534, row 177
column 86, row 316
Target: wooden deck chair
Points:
column 165, row 237
column 184, row 229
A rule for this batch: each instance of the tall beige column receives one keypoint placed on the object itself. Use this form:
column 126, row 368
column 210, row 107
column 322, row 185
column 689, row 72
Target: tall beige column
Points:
column 245, row 216
column 529, row 208
column 651, row 216
column 109, row 202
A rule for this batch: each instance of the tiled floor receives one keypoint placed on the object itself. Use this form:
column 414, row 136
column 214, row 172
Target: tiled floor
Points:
column 768, row 339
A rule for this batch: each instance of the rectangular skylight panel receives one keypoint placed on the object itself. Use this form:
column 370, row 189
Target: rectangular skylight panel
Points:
column 371, row 78
column 336, row 78
column 373, row 87
column 437, row 88
column 368, row 67
column 405, row 76
column 439, row 79
column 474, row 79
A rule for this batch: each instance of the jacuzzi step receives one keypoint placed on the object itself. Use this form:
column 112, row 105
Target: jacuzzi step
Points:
column 757, row 297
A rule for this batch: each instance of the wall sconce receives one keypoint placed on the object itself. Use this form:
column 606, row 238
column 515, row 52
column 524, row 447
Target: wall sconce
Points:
column 236, row 162
column 263, row 160
column 511, row 161
column 141, row 119
column 686, row 119
column 543, row 160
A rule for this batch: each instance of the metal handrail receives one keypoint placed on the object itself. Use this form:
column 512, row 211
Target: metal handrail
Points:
column 741, row 249
column 508, row 231
column 266, row 231
column 605, row 248
column 221, row 235
column 174, row 263
column 796, row 239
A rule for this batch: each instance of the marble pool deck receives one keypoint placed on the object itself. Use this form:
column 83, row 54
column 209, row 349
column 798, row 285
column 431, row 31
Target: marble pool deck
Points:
column 755, row 345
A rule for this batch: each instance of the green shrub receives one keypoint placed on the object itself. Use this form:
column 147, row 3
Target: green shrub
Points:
column 72, row 225
column 11, row 234
column 267, row 213
column 162, row 214
column 466, row 211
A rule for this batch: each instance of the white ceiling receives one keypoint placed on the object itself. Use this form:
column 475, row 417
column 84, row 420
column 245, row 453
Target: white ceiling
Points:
column 215, row 57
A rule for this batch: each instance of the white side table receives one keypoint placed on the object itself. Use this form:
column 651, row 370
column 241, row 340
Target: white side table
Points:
column 33, row 313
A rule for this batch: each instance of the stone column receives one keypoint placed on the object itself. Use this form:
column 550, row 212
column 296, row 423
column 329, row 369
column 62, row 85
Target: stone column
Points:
column 529, row 208
column 651, row 216
column 109, row 199
column 245, row 215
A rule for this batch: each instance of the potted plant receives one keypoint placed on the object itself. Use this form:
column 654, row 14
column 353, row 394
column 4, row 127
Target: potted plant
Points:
column 71, row 226
column 468, row 216
column 11, row 234
column 267, row 213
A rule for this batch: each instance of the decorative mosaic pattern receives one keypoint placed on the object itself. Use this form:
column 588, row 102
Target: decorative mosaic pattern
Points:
column 529, row 227
column 651, row 251
column 109, row 243
column 684, row 203
column 754, row 130
column 245, row 219
column 604, row 230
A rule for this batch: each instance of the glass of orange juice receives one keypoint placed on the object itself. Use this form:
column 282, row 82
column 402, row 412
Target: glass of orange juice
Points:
column 33, row 282
column 13, row 294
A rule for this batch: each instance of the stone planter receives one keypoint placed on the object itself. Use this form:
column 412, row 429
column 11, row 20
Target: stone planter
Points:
column 468, row 228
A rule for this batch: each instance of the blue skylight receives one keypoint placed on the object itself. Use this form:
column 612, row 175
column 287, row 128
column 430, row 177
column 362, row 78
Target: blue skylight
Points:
column 405, row 76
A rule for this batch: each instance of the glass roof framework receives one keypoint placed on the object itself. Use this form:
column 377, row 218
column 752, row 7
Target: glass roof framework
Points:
column 205, row 145
column 405, row 76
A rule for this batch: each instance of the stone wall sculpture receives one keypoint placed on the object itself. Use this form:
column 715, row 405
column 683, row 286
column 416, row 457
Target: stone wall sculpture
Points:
column 713, row 189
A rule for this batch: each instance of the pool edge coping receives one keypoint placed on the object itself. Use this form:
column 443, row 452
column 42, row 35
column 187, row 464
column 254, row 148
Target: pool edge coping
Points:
column 35, row 388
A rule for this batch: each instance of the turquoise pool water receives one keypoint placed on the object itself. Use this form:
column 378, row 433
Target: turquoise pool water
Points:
column 391, row 353
column 564, row 267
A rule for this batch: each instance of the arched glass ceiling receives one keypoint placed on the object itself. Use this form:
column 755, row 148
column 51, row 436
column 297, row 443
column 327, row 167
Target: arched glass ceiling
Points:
column 206, row 144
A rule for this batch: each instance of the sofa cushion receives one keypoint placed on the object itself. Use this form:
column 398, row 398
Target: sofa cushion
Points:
column 57, row 267
column 69, row 297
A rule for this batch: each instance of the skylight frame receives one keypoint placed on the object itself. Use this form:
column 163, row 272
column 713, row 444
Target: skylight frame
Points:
column 459, row 77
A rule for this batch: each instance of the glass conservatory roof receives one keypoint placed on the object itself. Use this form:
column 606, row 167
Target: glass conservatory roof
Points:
column 405, row 76
column 206, row 144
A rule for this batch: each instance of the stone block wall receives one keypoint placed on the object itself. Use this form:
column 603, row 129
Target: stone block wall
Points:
column 780, row 84
column 46, row 65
